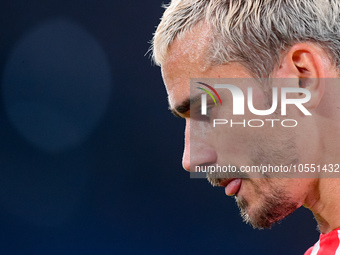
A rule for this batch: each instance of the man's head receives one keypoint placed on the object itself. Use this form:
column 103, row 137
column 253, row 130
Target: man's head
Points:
column 254, row 39
column 252, row 32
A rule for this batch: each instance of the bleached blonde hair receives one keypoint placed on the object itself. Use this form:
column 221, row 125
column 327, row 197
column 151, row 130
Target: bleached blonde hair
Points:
column 252, row 32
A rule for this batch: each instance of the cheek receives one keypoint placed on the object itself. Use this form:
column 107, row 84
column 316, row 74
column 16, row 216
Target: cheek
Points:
column 299, row 188
column 246, row 146
column 258, row 100
column 308, row 143
column 233, row 148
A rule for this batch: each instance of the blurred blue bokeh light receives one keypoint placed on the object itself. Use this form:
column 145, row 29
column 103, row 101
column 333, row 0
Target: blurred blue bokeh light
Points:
column 56, row 85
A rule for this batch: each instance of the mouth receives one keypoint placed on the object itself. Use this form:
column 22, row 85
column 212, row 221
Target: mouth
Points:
column 232, row 186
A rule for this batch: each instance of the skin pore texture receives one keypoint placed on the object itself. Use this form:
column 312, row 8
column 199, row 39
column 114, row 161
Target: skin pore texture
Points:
column 264, row 201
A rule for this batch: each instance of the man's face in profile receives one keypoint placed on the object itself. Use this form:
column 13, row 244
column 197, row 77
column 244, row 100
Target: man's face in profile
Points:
column 263, row 201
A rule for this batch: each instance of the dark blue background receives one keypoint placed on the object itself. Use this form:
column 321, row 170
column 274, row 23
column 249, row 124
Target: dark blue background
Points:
column 90, row 158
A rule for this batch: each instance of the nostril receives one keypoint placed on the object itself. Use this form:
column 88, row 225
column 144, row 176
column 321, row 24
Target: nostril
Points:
column 205, row 156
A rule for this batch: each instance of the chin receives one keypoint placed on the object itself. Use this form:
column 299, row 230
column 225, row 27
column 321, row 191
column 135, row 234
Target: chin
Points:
column 267, row 211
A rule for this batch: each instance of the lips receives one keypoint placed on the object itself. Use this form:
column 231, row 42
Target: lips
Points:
column 232, row 186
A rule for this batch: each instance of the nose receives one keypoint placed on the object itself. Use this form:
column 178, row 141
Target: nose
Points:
column 197, row 149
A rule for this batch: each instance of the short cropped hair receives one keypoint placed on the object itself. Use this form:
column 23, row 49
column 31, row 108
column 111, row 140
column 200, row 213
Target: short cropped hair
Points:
column 252, row 32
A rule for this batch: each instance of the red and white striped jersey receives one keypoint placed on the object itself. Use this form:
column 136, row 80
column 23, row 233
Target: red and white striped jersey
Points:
column 328, row 244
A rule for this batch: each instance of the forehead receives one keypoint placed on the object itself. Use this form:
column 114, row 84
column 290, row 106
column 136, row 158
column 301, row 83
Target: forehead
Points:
column 186, row 59
column 189, row 48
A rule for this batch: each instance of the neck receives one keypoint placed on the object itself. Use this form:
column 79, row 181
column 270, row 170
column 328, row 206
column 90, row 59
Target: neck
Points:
column 324, row 202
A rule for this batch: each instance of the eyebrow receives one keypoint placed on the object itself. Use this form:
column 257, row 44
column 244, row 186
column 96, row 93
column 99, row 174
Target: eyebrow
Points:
column 184, row 107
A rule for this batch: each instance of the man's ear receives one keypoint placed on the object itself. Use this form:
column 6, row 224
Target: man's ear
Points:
column 307, row 64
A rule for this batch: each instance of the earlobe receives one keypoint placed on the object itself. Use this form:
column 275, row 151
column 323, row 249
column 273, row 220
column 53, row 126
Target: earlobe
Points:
column 316, row 86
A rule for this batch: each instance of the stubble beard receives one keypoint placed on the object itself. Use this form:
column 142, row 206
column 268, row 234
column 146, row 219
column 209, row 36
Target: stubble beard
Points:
column 278, row 204
column 274, row 207
column 271, row 207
